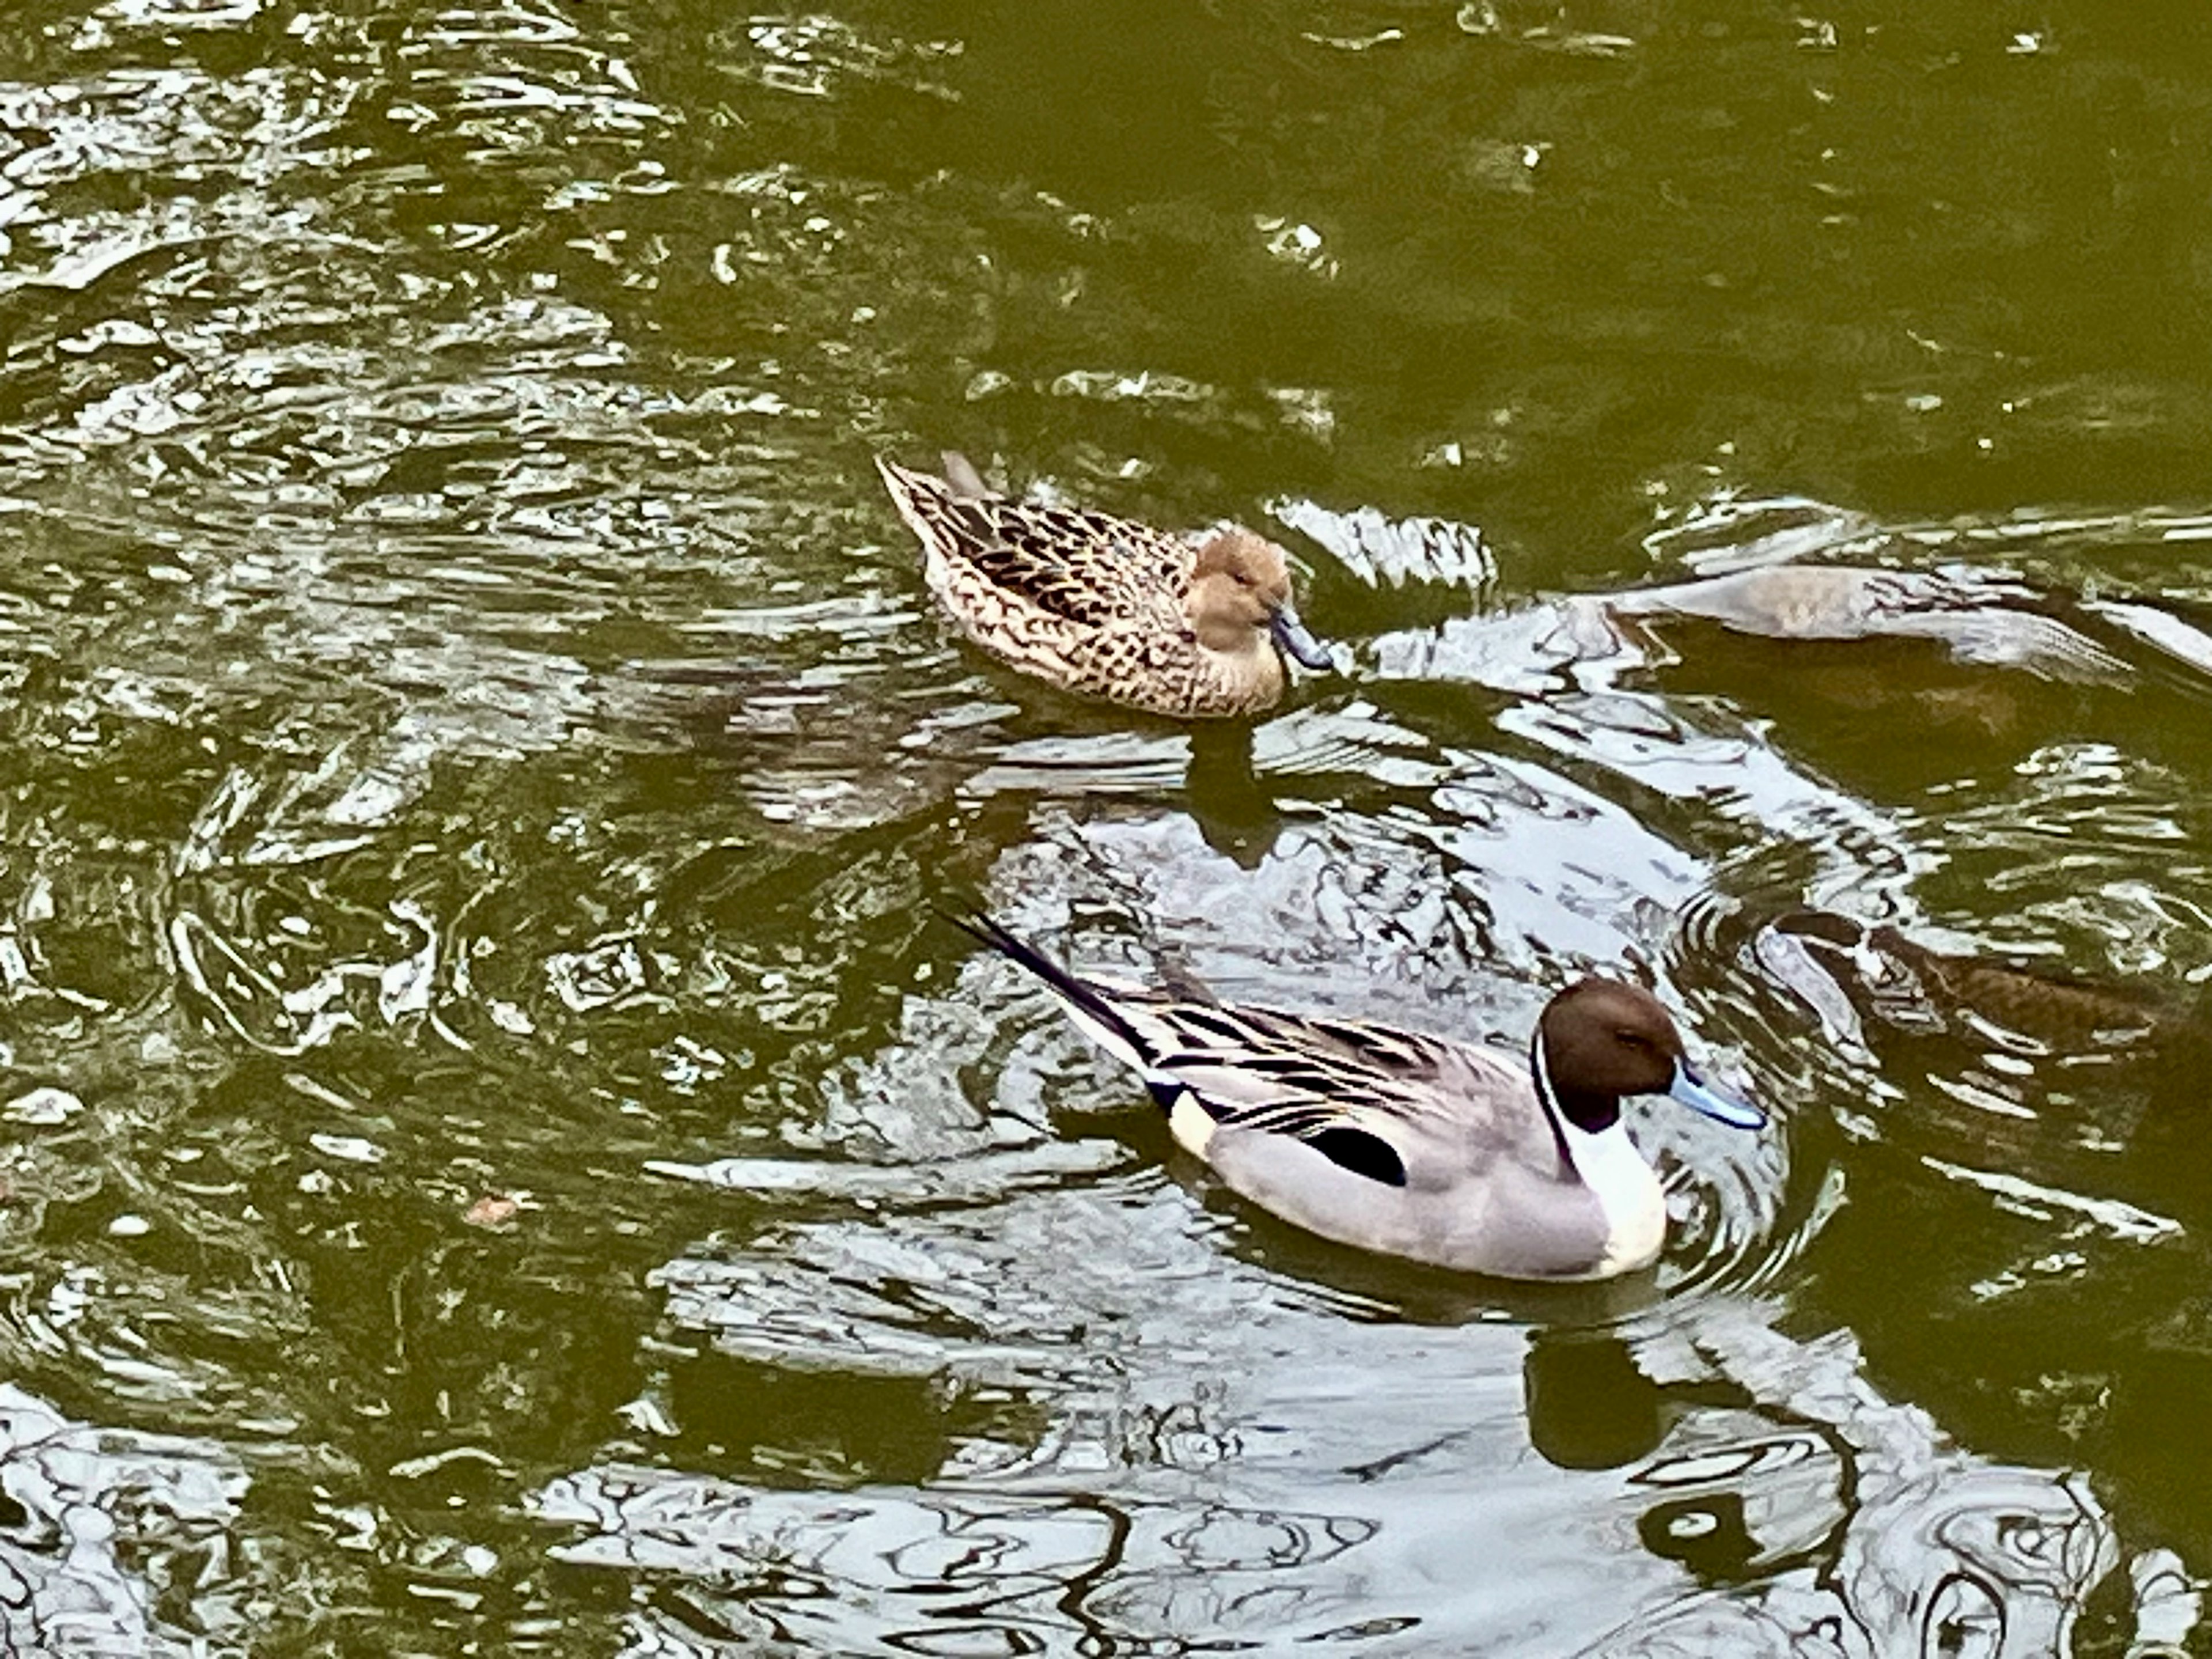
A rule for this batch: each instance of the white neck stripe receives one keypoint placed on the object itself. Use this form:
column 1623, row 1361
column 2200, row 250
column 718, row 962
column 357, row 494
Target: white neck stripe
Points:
column 1539, row 1068
column 1612, row 1169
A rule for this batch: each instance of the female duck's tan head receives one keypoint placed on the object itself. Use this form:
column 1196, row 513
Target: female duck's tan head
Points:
column 1240, row 595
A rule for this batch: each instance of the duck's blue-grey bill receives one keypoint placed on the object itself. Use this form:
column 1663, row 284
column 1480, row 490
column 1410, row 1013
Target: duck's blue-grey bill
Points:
column 1292, row 634
column 1736, row 1114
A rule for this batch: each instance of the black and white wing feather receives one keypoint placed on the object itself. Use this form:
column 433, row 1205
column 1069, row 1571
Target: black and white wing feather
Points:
column 1367, row 1096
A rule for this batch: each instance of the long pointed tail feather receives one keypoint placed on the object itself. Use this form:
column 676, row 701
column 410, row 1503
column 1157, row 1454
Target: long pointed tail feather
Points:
column 1090, row 1007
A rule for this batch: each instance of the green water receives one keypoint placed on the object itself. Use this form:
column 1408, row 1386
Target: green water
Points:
column 497, row 1153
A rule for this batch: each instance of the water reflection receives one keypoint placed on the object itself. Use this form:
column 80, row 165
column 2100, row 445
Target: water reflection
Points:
column 1977, row 615
column 114, row 1542
column 1781, row 1505
column 477, row 767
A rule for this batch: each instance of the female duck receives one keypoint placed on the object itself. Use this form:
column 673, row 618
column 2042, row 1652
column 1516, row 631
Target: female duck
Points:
column 1409, row 1145
column 1106, row 607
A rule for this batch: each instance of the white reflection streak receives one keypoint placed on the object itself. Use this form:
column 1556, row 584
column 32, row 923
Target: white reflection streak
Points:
column 1536, row 654
column 2121, row 1221
column 1380, row 550
column 964, row 1179
column 1615, row 863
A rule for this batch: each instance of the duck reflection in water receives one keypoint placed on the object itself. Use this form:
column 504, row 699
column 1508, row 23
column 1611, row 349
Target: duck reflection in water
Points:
column 1823, row 1522
column 1783, row 1507
column 1235, row 810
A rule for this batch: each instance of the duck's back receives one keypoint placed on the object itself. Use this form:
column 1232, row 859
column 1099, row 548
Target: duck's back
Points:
column 1091, row 569
column 1087, row 568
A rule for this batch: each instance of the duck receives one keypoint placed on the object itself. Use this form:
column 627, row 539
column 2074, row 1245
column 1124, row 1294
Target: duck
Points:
column 1407, row 1145
column 1190, row 626
column 1976, row 616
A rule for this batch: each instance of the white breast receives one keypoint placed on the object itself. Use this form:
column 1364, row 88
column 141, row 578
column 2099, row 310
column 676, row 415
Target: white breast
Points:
column 1625, row 1189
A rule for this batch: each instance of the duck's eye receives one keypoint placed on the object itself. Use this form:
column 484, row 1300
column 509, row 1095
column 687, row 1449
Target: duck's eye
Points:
column 1632, row 1039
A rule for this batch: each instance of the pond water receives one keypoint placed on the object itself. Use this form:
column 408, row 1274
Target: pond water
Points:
column 498, row 1151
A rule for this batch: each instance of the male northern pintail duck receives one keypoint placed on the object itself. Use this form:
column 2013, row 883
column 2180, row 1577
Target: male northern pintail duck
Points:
column 1409, row 1144
column 1186, row 626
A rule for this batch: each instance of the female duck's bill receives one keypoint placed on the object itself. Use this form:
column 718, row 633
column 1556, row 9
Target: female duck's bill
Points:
column 1297, row 640
column 1409, row 1144
column 1190, row 626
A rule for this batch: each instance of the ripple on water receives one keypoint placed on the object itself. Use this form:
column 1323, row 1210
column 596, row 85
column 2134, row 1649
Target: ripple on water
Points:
column 116, row 1539
column 477, row 768
column 1334, row 1489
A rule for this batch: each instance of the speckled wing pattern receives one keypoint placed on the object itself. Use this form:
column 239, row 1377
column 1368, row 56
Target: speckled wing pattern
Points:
column 1089, row 601
column 1087, row 567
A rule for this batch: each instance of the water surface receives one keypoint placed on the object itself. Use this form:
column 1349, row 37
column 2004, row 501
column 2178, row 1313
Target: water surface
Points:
column 500, row 1155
